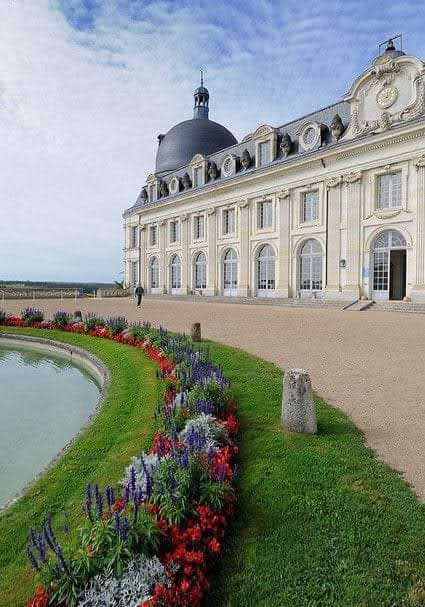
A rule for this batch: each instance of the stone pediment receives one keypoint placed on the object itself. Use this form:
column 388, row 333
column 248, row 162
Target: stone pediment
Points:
column 198, row 158
column 262, row 131
column 391, row 91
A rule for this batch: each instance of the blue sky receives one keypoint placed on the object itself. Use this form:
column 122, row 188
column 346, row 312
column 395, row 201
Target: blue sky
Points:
column 87, row 85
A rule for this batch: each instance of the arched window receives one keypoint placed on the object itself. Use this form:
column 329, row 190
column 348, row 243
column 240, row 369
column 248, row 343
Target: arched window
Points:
column 175, row 272
column 154, row 273
column 389, row 265
column 311, row 266
column 266, row 261
column 230, row 272
column 200, row 271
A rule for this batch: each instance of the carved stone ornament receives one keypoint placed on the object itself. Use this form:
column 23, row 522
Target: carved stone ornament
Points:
column 211, row 211
column 183, row 217
column 420, row 162
column 212, row 171
column 246, row 159
column 353, row 177
column 284, row 194
column 162, row 222
column 163, row 189
column 310, row 136
column 144, row 195
column 186, row 181
column 243, row 204
column 142, row 227
column 285, row 146
column 174, row 185
column 337, row 127
column 228, row 168
column 333, row 182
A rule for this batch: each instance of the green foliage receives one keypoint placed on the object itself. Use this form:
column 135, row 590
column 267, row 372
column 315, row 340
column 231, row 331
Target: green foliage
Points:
column 62, row 318
column 213, row 392
column 2, row 316
column 92, row 321
column 32, row 315
column 213, row 493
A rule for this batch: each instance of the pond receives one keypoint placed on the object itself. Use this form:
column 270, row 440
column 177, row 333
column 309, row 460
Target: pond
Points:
column 44, row 402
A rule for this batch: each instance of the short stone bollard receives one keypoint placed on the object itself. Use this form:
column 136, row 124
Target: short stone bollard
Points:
column 298, row 413
column 78, row 316
column 195, row 331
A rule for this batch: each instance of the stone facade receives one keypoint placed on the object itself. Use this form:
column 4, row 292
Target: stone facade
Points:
column 331, row 205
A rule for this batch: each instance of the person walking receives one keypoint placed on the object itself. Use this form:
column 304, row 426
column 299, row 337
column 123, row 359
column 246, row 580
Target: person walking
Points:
column 139, row 292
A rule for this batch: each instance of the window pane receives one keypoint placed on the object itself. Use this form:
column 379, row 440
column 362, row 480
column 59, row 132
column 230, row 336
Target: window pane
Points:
column 263, row 153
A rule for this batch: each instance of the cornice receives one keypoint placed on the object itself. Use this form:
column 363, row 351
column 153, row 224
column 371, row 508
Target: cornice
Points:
column 352, row 177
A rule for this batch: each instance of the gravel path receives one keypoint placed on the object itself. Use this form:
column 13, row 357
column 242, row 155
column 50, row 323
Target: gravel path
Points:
column 369, row 364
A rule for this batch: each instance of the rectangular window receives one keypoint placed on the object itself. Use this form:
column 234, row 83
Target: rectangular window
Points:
column 174, row 231
column 153, row 236
column 389, row 191
column 197, row 177
column 133, row 236
column 310, row 207
column 229, row 223
column 134, row 273
column 265, row 215
column 198, row 227
column 263, row 153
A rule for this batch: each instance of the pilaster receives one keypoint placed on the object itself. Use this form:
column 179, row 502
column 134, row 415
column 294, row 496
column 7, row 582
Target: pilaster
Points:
column 212, row 253
column 244, row 283
column 333, row 282
column 284, row 204
column 353, row 183
column 142, row 257
column 418, row 291
column 184, row 235
column 162, row 257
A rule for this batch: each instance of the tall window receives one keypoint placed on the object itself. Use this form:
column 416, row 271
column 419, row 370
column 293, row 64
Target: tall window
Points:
column 134, row 273
column 310, row 207
column 201, row 271
column 154, row 273
column 263, row 153
column 198, row 226
column 176, row 272
column 266, row 269
column 153, row 236
column 133, row 236
column 265, row 214
column 311, row 266
column 174, row 231
column 197, row 177
column 389, row 191
column 229, row 221
column 230, row 272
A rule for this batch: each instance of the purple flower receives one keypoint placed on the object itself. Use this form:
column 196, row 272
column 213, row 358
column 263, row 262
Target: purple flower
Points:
column 33, row 561
column 88, row 502
column 99, row 501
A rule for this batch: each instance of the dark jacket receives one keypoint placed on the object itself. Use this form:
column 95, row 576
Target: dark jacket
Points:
column 139, row 291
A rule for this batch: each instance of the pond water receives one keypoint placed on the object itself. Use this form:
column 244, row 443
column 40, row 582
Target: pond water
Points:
column 44, row 401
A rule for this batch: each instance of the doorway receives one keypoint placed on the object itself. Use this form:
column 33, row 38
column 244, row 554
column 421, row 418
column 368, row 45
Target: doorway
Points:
column 397, row 274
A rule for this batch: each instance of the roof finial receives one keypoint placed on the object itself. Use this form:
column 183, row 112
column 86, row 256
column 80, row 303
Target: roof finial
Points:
column 202, row 77
column 390, row 45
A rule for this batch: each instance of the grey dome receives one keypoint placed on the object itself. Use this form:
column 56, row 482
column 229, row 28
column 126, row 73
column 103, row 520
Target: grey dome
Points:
column 183, row 141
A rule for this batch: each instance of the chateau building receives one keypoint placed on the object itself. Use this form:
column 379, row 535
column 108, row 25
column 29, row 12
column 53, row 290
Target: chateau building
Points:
column 330, row 205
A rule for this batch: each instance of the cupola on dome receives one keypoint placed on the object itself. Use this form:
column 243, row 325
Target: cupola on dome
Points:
column 200, row 135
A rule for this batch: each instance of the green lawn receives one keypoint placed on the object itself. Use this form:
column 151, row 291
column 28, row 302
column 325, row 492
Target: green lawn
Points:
column 321, row 521
column 123, row 427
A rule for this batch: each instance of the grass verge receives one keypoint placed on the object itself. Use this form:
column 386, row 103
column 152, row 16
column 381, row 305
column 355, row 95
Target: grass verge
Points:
column 321, row 521
column 123, row 427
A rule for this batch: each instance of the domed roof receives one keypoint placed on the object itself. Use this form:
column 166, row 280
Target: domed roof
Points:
column 195, row 136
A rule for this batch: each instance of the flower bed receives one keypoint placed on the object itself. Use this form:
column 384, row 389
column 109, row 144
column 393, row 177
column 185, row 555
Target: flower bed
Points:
column 152, row 541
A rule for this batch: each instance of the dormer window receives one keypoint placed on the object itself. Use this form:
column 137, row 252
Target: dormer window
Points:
column 263, row 153
column 197, row 177
column 389, row 191
column 151, row 193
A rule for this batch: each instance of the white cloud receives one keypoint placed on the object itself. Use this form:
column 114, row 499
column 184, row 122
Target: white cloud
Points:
column 80, row 110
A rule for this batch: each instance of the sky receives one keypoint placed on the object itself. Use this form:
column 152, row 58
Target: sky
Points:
column 87, row 85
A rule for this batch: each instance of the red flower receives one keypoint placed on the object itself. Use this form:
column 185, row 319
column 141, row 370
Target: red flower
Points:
column 185, row 585
column 41, row 598
column 118, row 505
column 214, row 546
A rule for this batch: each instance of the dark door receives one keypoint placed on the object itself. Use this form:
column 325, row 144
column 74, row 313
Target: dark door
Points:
column 397, row 274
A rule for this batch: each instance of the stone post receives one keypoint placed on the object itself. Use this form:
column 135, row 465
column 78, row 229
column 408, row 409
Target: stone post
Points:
column 195, row 331
column 298, row 414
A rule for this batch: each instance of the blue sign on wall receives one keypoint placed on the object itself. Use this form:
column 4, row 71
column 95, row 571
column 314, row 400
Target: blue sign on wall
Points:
column 365, row 272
